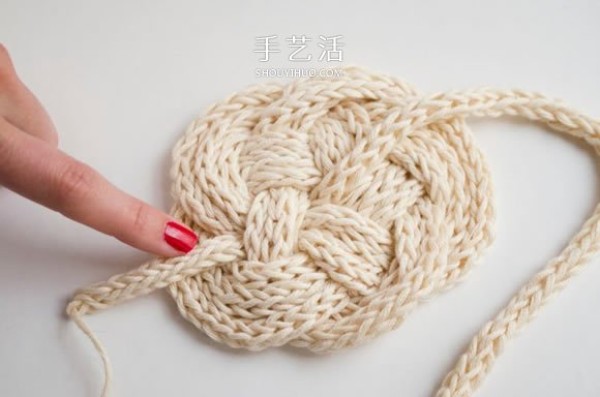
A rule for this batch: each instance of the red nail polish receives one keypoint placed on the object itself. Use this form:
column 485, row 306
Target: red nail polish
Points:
column 180, row 237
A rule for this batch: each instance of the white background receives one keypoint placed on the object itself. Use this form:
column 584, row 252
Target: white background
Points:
column 123, row 79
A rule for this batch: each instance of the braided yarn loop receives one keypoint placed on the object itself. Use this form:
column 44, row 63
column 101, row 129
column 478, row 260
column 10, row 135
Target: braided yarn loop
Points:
column 327, row 209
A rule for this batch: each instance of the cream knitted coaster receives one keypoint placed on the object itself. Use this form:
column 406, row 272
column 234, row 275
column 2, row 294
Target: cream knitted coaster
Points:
column 328, row 209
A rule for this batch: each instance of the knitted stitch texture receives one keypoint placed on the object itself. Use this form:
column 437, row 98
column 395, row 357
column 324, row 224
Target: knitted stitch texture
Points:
column 329, row 208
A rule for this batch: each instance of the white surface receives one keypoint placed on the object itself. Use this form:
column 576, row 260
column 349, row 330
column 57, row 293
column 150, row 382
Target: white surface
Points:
column 122, row 81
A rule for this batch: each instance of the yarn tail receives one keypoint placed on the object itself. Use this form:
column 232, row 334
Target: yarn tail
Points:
column 101, row 351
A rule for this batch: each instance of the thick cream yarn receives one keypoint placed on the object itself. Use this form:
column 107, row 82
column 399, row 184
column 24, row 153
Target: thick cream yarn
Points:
column 329, row 208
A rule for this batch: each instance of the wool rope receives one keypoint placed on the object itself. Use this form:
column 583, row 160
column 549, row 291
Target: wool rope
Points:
column 329, row 208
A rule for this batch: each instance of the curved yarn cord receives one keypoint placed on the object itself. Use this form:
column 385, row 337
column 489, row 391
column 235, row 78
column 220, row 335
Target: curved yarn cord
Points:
column 328, row 209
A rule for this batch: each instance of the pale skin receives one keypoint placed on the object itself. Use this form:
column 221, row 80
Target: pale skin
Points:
column 32, row 165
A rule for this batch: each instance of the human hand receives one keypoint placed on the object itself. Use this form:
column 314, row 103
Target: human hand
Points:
column 32, row 165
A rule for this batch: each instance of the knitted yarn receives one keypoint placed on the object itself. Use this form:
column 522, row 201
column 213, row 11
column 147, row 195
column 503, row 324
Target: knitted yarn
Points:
column 329, row 208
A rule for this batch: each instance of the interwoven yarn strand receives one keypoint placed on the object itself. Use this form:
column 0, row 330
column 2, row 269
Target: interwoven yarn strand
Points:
column 330, row 208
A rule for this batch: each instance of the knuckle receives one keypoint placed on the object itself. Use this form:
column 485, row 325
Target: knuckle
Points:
column 74, row 183
column 140, row 216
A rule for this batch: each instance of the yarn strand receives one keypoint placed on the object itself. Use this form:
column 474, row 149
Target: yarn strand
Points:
column 101, row 352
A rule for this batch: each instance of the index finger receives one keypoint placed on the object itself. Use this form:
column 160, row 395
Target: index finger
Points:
column 46, row 175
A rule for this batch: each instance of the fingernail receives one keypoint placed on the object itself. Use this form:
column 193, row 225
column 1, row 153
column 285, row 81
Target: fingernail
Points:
column 180, row 237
